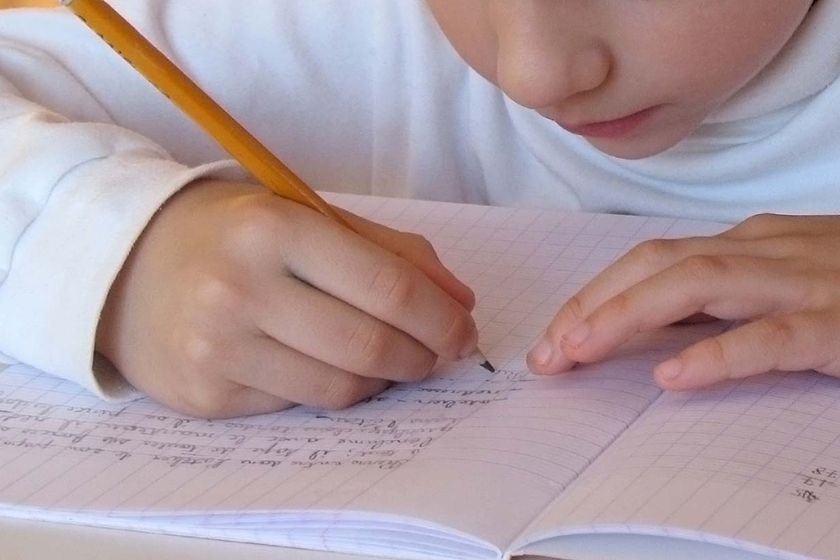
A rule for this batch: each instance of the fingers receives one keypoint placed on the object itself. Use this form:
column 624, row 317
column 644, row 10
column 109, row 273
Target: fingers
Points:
column 718, row 286
column 333, row 332
column 376, row 281
column 258, row 375
column 641, row 262
column 776, row 271
column 275, row 369
column 651, row 258
column 245, row 401
column 794, row 342
column 213, row 396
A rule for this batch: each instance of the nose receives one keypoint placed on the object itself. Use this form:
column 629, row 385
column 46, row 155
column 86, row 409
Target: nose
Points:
column 543, row 57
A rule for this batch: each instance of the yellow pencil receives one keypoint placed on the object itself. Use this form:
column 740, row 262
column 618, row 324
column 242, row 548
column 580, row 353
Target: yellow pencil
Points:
column 184, row 93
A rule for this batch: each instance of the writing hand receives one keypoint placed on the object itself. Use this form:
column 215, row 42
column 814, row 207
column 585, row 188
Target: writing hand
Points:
column 781, row 274
column 236, row 301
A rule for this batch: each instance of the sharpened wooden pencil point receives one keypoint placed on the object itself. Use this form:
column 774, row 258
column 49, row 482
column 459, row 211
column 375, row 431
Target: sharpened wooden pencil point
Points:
column 479, row 358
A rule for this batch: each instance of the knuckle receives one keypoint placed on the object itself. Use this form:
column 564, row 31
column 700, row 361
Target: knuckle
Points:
column 766, row 225
column 214, row 295
column 654, row 253
column 341, row 392
column 573, row 311
column 367, row 346
column 199, row 353
column 255, row 223
column 757, row 224
column 394, row 284
column 713, row 349
column 421, row 244
column 773, row 335
column 619, row 305
column 704, row 267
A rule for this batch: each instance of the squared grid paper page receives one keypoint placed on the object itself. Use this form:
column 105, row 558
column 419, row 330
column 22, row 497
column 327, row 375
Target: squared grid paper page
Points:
column 452, row 467
column 753, row 464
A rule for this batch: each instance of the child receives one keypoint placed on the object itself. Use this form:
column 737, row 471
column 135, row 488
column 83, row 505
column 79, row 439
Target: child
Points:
column 129, row 245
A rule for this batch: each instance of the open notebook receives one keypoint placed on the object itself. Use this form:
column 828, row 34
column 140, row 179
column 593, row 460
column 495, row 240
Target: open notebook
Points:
column 467, row 464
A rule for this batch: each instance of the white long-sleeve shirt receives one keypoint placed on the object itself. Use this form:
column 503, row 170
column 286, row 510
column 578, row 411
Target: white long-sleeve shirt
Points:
column 355, row 95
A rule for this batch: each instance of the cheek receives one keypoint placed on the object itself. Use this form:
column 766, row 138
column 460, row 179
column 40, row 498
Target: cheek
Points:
column 467, row 25
column 722, row 49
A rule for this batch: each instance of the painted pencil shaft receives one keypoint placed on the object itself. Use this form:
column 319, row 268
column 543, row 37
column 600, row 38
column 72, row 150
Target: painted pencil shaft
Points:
column 199, row 106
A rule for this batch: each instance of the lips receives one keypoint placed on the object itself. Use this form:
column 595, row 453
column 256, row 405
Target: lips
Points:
column 615, row 128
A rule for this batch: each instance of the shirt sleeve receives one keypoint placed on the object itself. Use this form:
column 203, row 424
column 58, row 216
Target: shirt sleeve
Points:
column 75, row 194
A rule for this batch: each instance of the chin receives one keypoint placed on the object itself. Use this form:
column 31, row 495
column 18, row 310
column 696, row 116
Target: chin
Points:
column 633, row 148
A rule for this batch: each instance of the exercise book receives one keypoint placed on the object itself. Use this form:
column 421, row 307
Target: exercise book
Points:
column 467, row 464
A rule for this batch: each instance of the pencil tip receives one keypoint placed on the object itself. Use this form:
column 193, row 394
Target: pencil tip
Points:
column 488, row 366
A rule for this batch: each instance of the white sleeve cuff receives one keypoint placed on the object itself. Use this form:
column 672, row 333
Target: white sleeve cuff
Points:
column 65, row 262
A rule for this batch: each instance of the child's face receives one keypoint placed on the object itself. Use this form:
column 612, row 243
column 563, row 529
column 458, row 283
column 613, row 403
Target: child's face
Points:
column 633, row 77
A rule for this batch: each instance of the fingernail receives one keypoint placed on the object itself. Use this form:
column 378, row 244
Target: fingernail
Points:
column 577, row 336
column 542, row 352
column 669, row 370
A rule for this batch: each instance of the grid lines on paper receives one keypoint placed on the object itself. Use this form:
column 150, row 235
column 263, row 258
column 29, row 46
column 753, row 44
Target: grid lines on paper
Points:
column 522, row 264
column 757, row 460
